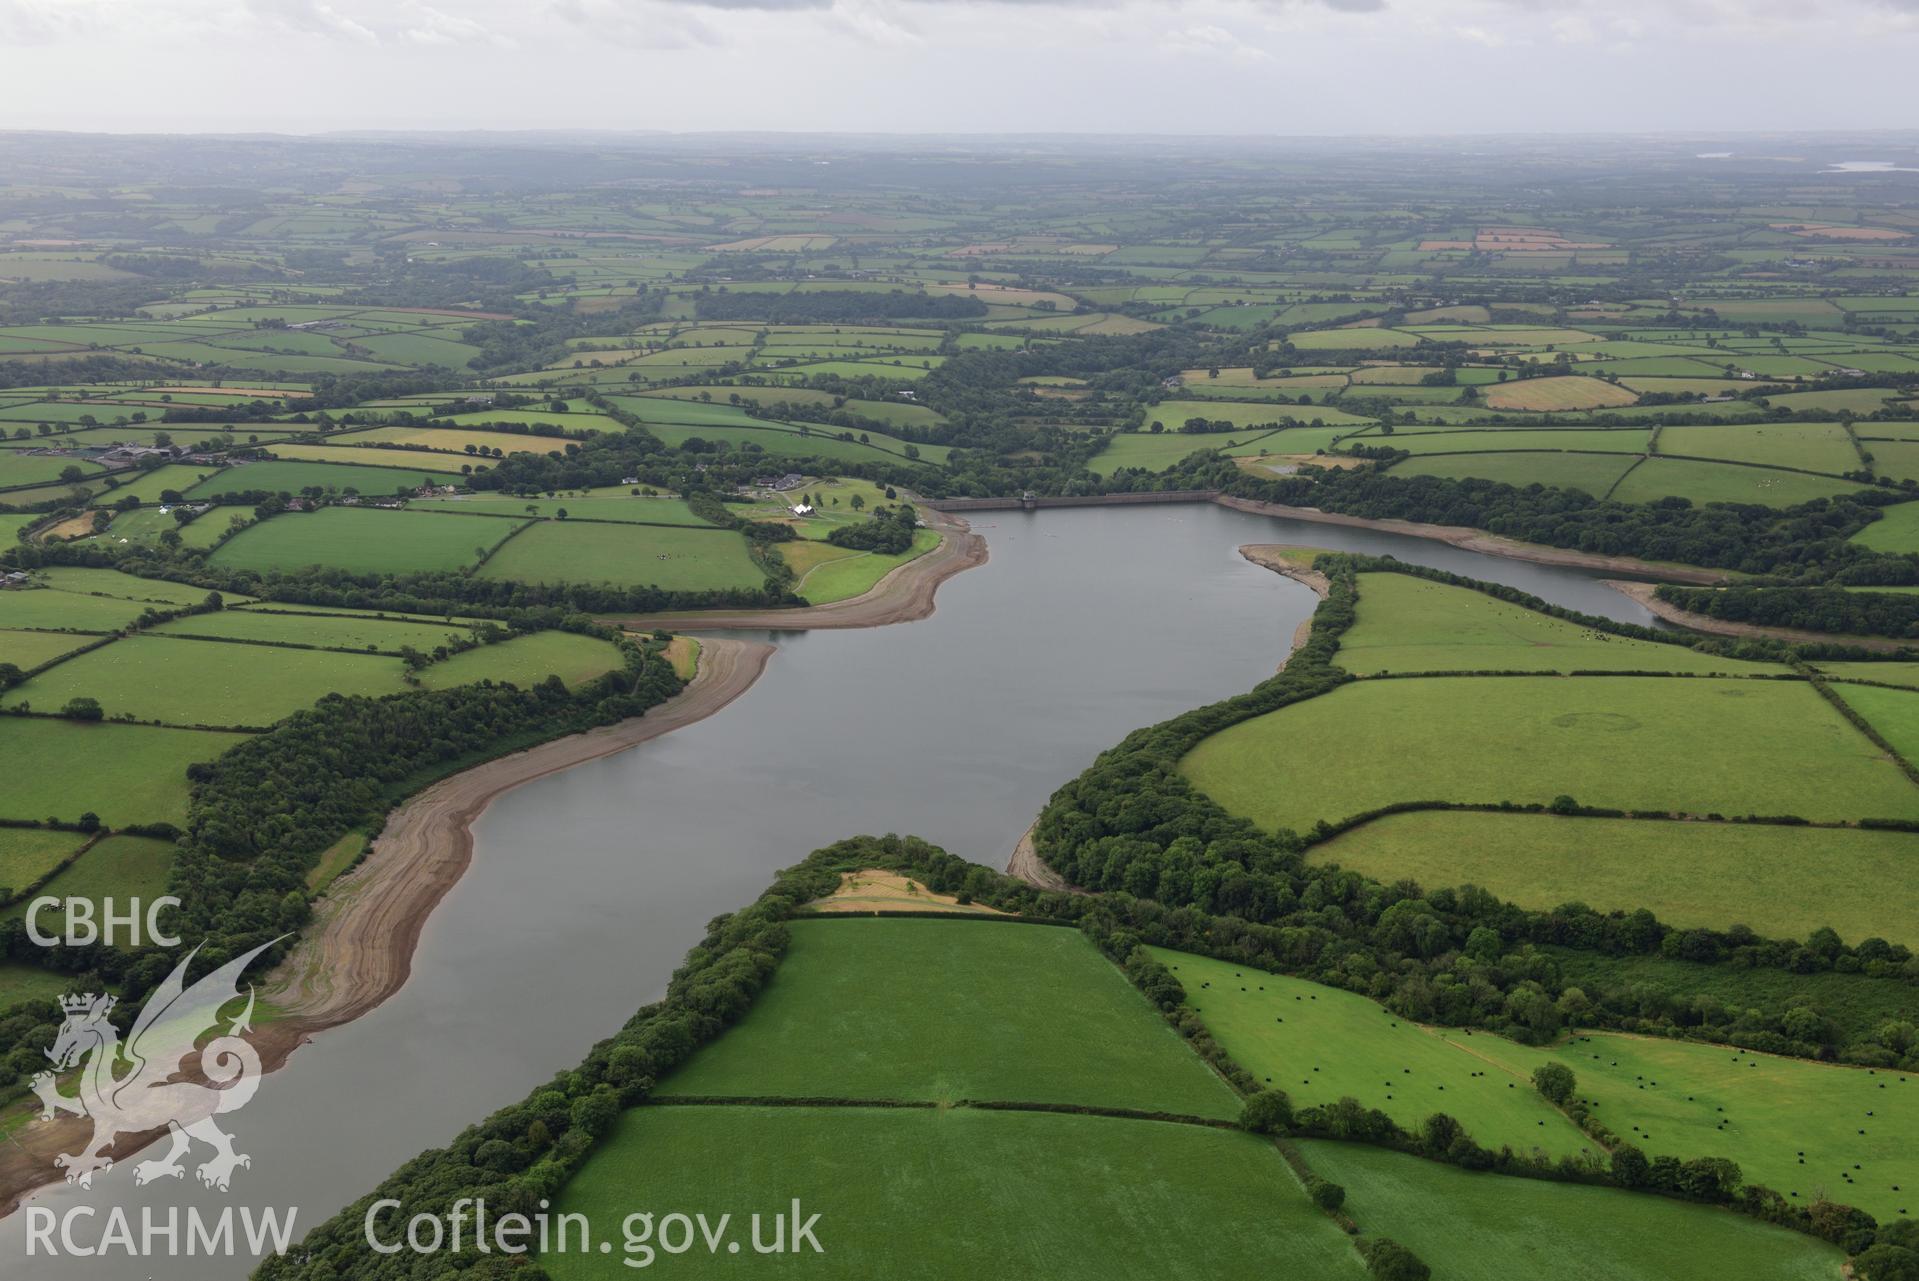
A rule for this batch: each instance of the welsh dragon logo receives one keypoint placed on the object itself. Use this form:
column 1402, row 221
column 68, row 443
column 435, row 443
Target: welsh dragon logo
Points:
column 133, row 1087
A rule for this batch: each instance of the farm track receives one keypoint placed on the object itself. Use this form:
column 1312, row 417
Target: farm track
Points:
column 360, row 949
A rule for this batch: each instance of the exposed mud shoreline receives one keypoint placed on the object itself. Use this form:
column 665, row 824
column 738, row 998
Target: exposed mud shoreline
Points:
column 905, row 595
column 1643, row 593
column 1478, row 540
column 1025, row 865
column 1278, row 557
column 359, row 951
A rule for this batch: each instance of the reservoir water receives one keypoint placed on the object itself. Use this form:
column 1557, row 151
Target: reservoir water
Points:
column 587, row 887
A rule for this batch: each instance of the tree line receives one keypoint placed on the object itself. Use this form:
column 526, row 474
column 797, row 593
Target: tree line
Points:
column 890, row 532
column 835, row 306
column 1813, row 609
column 259, row 816
column 1747, row 537
column 1133, row 826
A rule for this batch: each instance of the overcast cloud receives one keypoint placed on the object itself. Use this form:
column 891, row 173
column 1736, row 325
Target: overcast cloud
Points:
column 1171, row 66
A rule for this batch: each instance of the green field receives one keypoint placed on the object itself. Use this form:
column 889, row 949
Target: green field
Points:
column 1884, row 673
column 111, row 582
column 38, row 469
column 1592, row 473
column 889, row 411
column 1858, row 399
column 142, row 525
column 420, row 349
column 883, row 369
column 625, row 555
column 149, row 486
column 683, row 411
column 956, row 1195
column 1724, row 483
column 1490, row 1227
column 193, row 682
column 125, row 773
column 1352, row 339
column 1677, row 1098
column 291, row 477
column 27, row 650
column 1705, row 875
column 342, row 630
column 454, row 439
column 1156, row 451
column 849, row 576
column 335, row 859
column 116, row 867
column 1673, row 744
column 1794, row 1125
column 533, row 418
column 209, row 527
column 782, row 441
column 429, row 465
column 30, row 983
column 1654, row 478
column 1515, row 439
column 1896, row 530
column 1893, row 712
column 364, row 540
column 526, row 660
column 900, row 1009
column 1561, row 393
column 640, row 509
column 1898, row 459
column 1409, row 624
column 68, row 611
column 1248, row 415
column 1822, row 447
column 1319, row 1044
column 29, row 853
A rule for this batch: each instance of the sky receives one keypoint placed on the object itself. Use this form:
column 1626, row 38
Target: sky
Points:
column 1263, row 67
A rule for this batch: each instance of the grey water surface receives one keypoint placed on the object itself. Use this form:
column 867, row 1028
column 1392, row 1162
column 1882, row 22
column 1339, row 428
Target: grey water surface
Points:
column 588, row 886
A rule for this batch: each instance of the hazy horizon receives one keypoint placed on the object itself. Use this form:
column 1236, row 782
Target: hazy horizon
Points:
column 1208, row 68
column 1896, row 135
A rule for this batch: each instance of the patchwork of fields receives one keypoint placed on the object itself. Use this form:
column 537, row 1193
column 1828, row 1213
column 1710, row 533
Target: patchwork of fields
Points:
column 383, row 424
column 1104, row 1199
column 1703, row 744
column 185, row 690
column 1487, row 1227
column 1645, row 396
column 1083, row 1037
column 1686, row 746
column 364, row 540
column 882, row 1127
column 1705, row 875
column 1804, row 1129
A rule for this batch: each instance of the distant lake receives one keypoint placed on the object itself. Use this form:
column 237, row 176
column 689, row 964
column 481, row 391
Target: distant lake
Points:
column 1870, row 166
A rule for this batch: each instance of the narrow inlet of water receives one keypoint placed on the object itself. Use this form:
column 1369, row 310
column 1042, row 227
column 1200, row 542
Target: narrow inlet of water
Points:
column 587, row 887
